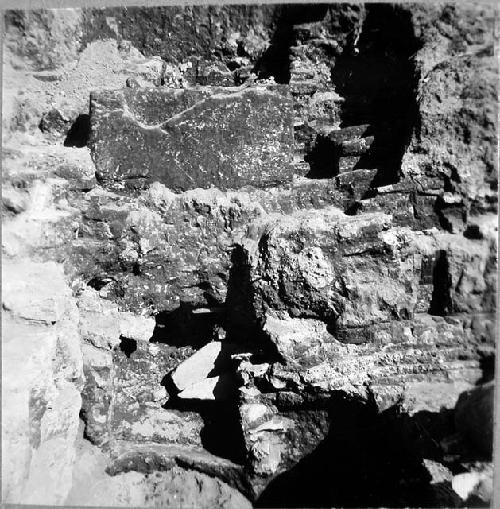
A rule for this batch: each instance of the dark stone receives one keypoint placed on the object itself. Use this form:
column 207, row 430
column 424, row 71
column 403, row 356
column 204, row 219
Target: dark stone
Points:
column 407, row 208
column 348, row 163
column 193, row 138
column 177, row 33
column 474, row 417
column 54, row 122
column 356, row 147
column 356, row 183
column 355, row 335
column 132, row 83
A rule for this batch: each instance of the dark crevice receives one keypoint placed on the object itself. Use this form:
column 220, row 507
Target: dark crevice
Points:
column 323, row 159
column 353, row 208
column 473, row 232
column 83, row 417
column 222, row 433
column 98, row 283
column 242, row 325
column 378, row 81
column 366, row 460
column 185, row 326
column 439, row 208
column 128, row 346
column 441, row 280
column 487, row 365
column 239, row 298
column 275, row 62
column 79, row 133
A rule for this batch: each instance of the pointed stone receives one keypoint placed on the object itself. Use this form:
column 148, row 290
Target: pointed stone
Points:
column 197, row 367
column 216, row 388
column 205, row 389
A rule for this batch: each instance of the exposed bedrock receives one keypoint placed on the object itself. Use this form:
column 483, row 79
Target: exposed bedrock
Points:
column 42, row 381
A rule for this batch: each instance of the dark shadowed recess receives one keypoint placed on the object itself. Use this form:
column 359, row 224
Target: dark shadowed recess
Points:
column 441, row 279
column 184, row 326
column 79, row 133
column 275, row 62
column 221, row 434
column 128, row 346
column 323, row 159
column 369, row 459
column 242, row 325
column 378, row 81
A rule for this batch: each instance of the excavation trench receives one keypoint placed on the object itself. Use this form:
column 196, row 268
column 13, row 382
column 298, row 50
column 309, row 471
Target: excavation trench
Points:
column 359, row 455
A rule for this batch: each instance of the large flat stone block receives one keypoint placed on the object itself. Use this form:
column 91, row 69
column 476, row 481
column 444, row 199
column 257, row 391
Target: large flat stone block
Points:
column 193, row 138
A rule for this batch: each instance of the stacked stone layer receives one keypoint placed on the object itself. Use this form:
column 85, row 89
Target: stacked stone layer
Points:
column 260, row 262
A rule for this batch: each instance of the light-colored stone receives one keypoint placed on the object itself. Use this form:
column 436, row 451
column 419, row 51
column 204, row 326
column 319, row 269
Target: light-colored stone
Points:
column 93, row 486
column 174, row 488
column 41, row 383
column 438, row 472
column 102, row 324
column 165, row 426
column 476, row 482
column 136, row 327
column 205, row 389
column 34, row 291
column 197, row 367
column 99, row 323
column 214, row 388
column 432, row 396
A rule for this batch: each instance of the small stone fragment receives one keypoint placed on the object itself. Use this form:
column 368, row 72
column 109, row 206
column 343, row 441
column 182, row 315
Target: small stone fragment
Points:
column 54, row 122
column 132, row 83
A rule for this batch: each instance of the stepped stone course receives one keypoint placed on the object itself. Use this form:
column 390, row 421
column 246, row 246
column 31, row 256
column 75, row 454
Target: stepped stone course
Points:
column 250, row 256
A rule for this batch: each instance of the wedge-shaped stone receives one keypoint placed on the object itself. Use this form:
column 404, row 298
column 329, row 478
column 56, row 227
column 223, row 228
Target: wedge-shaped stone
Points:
column 227, row 138
column 215, row 388
column 197, row 367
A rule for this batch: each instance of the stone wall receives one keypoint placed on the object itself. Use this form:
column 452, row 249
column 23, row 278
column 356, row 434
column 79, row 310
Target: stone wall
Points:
column 250, row 255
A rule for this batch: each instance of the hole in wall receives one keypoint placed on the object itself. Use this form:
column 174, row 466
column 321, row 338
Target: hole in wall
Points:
column 79, row 133
column 128, row 346
column 441, row 280
column 188, row 325
column 99, row 282
column 323, row 159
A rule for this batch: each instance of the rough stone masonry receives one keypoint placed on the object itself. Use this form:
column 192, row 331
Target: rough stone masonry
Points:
column 250, row 255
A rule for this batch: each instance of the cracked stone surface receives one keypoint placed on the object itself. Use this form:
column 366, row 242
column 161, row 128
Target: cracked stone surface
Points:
column 187, row 139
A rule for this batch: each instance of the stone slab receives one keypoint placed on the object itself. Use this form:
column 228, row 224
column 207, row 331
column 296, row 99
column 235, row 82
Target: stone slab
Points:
column 193, row 138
